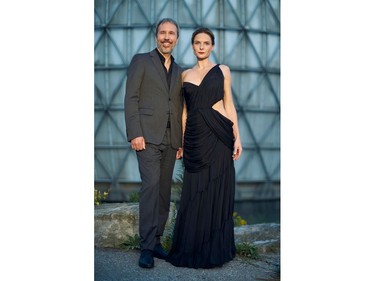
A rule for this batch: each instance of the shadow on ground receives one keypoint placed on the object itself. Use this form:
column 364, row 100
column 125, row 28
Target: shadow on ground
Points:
column 117, row 265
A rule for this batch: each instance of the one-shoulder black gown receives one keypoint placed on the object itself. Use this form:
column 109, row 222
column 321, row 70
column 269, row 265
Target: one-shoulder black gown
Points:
column 204, row 230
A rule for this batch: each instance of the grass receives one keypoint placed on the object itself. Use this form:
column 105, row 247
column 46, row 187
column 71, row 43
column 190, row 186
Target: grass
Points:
column 247, row 250
column 133, row 197
column 131, row 243
column 243, row 249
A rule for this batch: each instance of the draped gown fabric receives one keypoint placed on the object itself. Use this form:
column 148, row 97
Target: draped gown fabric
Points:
column 204, row 230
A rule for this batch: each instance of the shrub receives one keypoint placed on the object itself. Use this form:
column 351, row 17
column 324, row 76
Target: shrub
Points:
column 245, row 249
column 238, row 220
column 134, row 197
column 99, row 196
column 131, row 243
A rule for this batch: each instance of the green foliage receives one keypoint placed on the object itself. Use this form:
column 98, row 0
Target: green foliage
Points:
column 99, row 196
column 167, row 238
column 134, row 197
column 245, row 249
column 166, row 241
column 238, row 220
column 131, row 243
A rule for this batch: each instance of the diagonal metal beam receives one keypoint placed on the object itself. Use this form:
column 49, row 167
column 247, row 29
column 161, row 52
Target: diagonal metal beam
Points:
column 101, row 120
column 162, row 9
column 144, row 40
column 120, row 130
column 235, row 14
column 121, row 166
column 272, row 90
column 100, row 124
column 232, row 52
column 190, row 13
column 268, row 130
column 273, row 13
column 99, row 94
column 275, row 171
column 252, row 46
column 115, row 45
column 118, row 88
column 254, row 12
column 256, row 143
column 142, row 11
column 109, row 19
column 274, row 53
column 255, row 87
column 103, row 166
column 208, row 10
column 96, row 13
column 258, row 149
column 101, row 36
column 264, row 68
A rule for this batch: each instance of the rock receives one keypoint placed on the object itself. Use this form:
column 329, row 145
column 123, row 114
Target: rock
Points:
column 265, row 236
column 114, row 222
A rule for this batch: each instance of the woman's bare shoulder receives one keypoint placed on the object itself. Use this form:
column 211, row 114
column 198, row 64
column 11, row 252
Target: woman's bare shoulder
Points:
column 225, row 69
column 186, row 72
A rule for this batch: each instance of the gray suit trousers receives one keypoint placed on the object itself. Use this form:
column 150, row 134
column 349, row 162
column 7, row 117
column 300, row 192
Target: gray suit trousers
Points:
column 156, row 165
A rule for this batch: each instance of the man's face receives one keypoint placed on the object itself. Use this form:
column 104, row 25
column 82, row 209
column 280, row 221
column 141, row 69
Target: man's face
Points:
column 166, row 39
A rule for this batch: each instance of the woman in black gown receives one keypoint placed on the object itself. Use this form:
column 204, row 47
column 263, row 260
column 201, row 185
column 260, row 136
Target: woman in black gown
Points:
column 204, row 230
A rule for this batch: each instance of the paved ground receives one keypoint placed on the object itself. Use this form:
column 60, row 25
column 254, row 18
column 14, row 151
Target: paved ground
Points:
column 118, row 265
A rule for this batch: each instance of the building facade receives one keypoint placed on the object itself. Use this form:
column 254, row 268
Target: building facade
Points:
column 247, row 40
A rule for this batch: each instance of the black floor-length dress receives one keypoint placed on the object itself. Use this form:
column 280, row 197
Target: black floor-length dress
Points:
column 204, row 233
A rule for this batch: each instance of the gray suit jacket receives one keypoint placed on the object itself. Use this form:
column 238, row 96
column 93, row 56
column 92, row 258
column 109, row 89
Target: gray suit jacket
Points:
column 148, row 101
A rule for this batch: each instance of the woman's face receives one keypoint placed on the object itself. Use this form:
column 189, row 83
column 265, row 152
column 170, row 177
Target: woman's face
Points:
column 202, row 46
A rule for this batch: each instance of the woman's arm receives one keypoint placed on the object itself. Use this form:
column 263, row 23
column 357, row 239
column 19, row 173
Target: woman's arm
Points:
column 180, row 152
column 231, row 111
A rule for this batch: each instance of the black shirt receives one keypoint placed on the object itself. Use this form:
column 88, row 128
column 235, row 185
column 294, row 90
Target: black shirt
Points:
column 168, row 74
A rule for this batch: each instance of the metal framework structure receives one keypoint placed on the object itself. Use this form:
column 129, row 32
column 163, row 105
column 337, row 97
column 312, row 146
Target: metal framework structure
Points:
column 247, row 40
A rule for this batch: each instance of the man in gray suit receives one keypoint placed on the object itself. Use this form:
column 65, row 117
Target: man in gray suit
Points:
column 153, row 109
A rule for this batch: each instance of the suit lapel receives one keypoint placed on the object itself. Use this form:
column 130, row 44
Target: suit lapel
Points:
column 159, row 67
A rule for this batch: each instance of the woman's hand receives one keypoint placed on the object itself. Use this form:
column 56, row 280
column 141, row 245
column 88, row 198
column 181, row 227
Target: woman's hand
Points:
column 237, row 149
column 180, row 153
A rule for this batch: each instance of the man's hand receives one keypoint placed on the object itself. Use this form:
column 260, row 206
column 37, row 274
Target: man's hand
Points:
column 138, row 143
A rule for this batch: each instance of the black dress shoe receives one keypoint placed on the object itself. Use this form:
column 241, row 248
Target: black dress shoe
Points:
column 146, row 260
column 159, row 252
